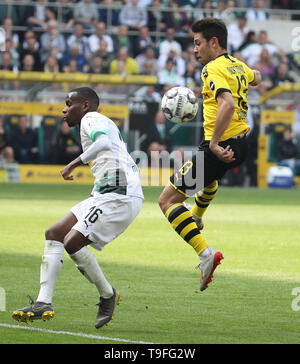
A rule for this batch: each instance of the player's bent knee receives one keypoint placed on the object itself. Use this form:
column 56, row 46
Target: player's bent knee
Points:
column 53, row 234
column 74, row 241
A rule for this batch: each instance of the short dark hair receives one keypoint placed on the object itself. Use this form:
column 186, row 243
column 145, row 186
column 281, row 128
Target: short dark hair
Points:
column 87, row 93
column 212, row 27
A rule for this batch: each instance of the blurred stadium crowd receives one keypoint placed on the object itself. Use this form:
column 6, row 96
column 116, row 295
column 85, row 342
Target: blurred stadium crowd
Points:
column 140, row 37
column 86, row 38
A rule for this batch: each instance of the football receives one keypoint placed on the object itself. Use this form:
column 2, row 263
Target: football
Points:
column 179, row 104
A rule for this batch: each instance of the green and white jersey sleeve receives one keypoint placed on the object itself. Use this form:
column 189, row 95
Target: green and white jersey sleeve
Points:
column 113, row 168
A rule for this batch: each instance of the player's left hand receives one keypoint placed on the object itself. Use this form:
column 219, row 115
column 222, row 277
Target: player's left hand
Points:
column 68, row 169
column 66, row 172
column 224, row 154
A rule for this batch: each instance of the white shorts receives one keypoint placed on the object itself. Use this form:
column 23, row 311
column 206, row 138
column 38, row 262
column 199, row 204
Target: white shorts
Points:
column 103, row 217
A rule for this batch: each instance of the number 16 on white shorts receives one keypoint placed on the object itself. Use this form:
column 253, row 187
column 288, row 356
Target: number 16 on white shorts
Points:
column 104, row 217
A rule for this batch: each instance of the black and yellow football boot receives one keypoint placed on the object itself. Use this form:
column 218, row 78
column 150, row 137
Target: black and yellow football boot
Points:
column 35, row 311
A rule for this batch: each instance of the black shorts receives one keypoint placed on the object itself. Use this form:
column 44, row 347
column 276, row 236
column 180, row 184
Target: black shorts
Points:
column 205, row 167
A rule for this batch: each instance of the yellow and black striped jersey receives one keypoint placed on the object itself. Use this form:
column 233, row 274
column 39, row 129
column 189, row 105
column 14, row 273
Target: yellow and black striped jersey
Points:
column 226, row 73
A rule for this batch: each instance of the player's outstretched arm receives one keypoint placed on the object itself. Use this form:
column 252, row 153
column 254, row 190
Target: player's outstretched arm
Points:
column 257, row 78
column 68, row 169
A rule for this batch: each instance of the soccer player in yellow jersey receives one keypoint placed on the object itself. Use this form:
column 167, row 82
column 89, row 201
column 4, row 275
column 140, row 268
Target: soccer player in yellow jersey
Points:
column 225, row 88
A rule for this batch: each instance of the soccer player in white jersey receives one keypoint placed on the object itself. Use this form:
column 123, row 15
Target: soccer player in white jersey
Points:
column 115, row 201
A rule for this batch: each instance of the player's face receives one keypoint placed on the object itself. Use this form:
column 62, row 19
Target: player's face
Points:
column 74, row 109
column 202, row 49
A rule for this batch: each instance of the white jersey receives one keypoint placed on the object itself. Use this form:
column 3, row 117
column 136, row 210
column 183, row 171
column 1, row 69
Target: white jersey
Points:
column 113, row 168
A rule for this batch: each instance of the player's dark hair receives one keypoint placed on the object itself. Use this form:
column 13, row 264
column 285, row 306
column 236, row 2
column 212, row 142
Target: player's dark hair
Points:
column 212, row 27
column 87, row 93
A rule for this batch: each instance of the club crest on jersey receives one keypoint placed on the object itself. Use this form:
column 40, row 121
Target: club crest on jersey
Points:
column 212, row 85
column 205, row 73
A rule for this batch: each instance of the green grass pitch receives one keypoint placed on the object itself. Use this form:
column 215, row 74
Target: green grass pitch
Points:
column 249, row 301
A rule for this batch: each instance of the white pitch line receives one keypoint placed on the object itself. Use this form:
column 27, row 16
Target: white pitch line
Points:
column 80, row 334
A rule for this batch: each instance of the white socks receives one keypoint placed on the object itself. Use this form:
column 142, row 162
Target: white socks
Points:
column 87, row 263
column 51, row 264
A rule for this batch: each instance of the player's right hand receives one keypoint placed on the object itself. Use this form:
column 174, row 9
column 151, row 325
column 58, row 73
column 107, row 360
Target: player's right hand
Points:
column 224, row 154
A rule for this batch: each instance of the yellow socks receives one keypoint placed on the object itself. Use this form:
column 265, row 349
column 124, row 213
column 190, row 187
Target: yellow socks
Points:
column 203, row 199
column 182, row 222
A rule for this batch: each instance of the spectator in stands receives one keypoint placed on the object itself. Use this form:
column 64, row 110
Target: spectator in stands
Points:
column 6, row 151
column 252, row 52
column 52, row 42
column 7, row 65
column 132, row 15
column 96, row 66
column 149, row 69
column 108, row 14
column 51, row 65
column 6, row 62
column 179, row 62
column 250, row 39
column 14, row 54
column 39, row 14
column 168, row 75
column 7, row 25
column 71, row 67
column 94, row 39
column 66, row 145
column 231, row 12
column 219, row 10
column 32, row 49
column 165, row 46
column 130, row 64
column 142, row 41
column 176, row 19
column 74, row 54
column 145, row 59
column 237, row 33
column 282, row 75
column 257, row 13
column 107, row 57
column 79, row 39
column 287, row 151
column 66, row 19
column 156, row 18
column 265, row 65
column 204, row 10
column 25, row 143
column 29, row 33
column 122, row 39
column 86, row 11
column 28, row 64
column 271, row 47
